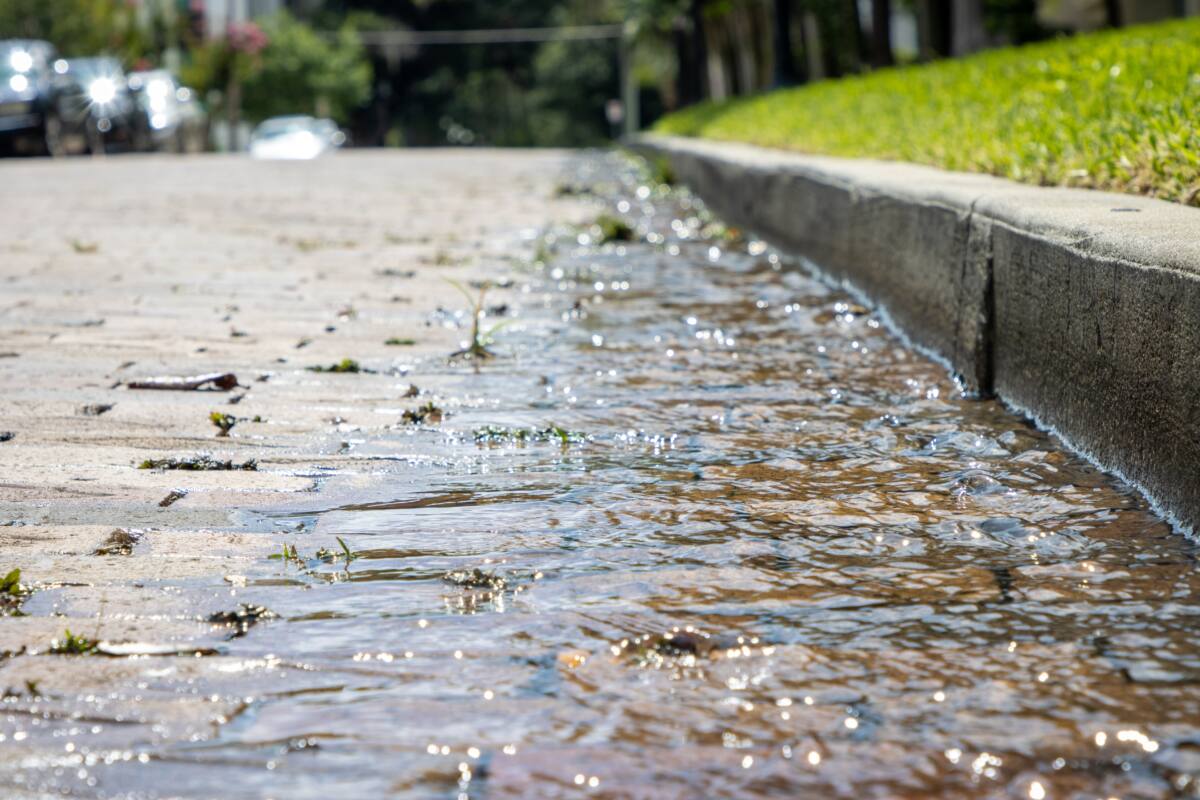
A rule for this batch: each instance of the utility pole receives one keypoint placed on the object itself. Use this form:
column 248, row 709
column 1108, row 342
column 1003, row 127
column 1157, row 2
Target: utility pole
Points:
column 629, row 87
column 238, row 15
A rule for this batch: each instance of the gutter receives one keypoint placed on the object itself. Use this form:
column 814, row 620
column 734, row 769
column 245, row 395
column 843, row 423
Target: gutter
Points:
column 1077, row 308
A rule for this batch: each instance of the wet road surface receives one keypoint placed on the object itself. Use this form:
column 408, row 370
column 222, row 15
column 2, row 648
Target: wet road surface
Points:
column 702, row 528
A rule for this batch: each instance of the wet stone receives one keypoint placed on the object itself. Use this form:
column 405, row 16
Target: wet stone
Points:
column 94, row 409
column 476, row 578
column 241, row 619
column 119, row 543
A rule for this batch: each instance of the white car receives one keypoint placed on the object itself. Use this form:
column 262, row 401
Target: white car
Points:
column 295, row 137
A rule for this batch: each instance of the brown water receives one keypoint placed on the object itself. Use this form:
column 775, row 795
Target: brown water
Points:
column 789, row 560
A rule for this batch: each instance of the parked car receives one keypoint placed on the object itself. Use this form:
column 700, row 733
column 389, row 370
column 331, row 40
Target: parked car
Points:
column 171, row 114
column 108, row 110
column 38, row 105
column 295, row 137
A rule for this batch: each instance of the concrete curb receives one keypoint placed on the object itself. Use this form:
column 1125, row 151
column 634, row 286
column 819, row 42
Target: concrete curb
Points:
column 1079, row 308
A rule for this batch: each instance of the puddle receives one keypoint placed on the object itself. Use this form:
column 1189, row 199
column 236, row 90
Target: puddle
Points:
column 783, row 558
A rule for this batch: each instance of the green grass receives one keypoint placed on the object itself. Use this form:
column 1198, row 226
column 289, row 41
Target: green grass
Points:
column 1117, row 110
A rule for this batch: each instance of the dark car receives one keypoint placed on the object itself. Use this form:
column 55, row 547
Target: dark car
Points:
column 108, row 110
column 38, row 104
column 171, row 114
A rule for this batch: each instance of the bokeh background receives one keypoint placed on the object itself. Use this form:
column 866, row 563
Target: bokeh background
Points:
column 526, row 72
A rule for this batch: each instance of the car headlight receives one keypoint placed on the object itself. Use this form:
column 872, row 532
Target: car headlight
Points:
column 18, row 83
column 102, row 91
column 20, row 61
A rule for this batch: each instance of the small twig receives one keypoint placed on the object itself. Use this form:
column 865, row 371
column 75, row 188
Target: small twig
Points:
column 216, row 381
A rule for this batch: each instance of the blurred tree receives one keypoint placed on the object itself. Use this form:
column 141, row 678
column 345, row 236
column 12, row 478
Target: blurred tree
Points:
column 881, row 33
column 695, row 20
column 1112, row 10
column 854, row 19
column 495, row 93
column 572, row 80
column 933, row 28
column 785, row 53
column 301, row 71
column 373, row 125
column 684, row 51
column 80, row 27
column 1013, row 21
column 219, row 68
column 838, row 33
column 969, row 32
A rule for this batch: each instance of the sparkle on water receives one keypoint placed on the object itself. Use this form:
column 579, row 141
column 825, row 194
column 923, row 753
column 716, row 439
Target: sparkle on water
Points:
column 786, row 558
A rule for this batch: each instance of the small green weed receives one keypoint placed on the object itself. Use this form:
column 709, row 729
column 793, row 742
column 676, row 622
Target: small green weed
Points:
column 478, row 348
column 608, row 228
column 345, row 366
column 493, row 434
column 223, row 422
column 349, row 554
column 288, row 555
column 72, row 645
column 424, row 413
column 12, row 593
column 200, row 463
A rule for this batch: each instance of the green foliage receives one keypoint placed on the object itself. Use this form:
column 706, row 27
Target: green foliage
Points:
column 72, row 645
column 513, row 95
column 206, row 67
column 1014, row 20
column 346, row 365
column 223, row 422
column 573, row 80
column 12, row 593
column 480, row 339
column 289, row 555
column 494, row 434
column 1115, row 110
column 608, row 228
column 10, row 584
column 82, row 27
column 302, row 72
column 661, row 172
column 423, row 413
column 347, row 553
column 200, row 463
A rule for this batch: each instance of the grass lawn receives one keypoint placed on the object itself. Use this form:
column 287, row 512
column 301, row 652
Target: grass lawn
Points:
column 1115, row 110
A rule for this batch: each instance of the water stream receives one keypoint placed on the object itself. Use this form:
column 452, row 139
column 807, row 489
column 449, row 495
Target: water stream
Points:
column 778, row 555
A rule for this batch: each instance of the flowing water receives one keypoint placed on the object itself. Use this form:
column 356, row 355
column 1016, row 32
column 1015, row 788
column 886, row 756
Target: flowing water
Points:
column 778, row 555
